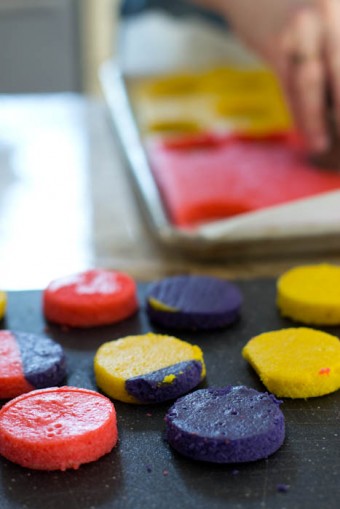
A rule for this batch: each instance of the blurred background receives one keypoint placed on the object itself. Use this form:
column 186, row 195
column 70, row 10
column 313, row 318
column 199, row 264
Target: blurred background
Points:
column 54, row 45
column 66, row 203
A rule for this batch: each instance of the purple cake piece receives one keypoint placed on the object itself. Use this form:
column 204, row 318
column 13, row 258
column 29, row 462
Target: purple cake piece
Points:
column 28, row 362
column 226, row 425
column 151, row 388
column 43, row 360
column 193, row 302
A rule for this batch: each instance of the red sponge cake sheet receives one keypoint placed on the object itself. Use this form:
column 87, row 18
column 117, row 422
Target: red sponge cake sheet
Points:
column 206, row 178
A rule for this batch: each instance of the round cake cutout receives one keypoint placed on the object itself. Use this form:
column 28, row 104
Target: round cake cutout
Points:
column 57, row 428
column 193, row 302
column 310, row 294
column 226, row 425
column 90, row 299
column 296, row 362
column 149, row 368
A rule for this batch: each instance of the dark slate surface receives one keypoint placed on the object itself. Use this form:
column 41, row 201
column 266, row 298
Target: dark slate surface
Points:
column 143, row 472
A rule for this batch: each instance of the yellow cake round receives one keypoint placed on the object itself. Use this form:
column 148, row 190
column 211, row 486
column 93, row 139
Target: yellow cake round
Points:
column 310, row 294
column 296, row 362
column 3, row 304
column 148, row 368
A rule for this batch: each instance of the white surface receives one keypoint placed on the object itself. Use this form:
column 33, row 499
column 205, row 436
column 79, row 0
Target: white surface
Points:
column 65, row 202
column 44, row 207
column 312, row 216
column 157, row 43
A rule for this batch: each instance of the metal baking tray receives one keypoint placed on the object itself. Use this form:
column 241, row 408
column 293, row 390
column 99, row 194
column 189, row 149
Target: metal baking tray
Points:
column 306, row 226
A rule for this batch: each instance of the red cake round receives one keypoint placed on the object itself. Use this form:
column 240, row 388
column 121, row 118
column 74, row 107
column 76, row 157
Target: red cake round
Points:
column 57, row 428
column 89, row 299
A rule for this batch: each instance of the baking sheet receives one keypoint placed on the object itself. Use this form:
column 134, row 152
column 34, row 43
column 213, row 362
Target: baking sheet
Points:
column 143, row 472
column 155, row 43
column 310, row 225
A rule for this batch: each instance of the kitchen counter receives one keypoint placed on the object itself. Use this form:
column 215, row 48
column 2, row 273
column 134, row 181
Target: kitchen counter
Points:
column 66, row 202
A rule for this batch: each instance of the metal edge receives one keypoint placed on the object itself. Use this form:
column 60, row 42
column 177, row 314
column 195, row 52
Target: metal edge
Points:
column 123, row 121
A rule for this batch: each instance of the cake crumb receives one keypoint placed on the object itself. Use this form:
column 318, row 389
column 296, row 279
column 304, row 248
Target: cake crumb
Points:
column 324, row 371
column 282, row 488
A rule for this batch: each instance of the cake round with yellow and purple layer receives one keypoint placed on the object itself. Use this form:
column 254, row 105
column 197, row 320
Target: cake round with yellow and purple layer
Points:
column 193, row 302
column 148, row 368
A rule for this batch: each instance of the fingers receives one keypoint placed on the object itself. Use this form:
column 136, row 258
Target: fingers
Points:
column 304, row 76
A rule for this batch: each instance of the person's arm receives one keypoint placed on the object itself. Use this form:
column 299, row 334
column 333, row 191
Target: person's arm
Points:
column 300, row 39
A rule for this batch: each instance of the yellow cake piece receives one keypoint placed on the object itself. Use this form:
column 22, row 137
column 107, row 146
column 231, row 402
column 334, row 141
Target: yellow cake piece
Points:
column 236, row 79
column 296, row 362
column 168, row 125
column 176, row 84
column 310, row 294
column 160, row 306
column 120, row 360
column 3, row 304
column 240, row 99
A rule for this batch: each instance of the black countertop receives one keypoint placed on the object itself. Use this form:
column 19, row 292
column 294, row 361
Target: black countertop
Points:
column 143, row 471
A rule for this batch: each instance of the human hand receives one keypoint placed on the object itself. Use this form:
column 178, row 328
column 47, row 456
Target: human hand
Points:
column 300, row 39
column 308, row 63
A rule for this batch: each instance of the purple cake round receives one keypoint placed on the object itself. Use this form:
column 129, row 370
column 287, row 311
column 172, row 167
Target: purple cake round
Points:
column 193, row 302
column 226, row 425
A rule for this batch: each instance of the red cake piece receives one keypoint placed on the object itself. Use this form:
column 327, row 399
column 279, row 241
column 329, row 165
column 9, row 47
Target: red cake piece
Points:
column 89, row 299
column 27, row 362
column 57, row 428
column 13, row 381
column 213, row 177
